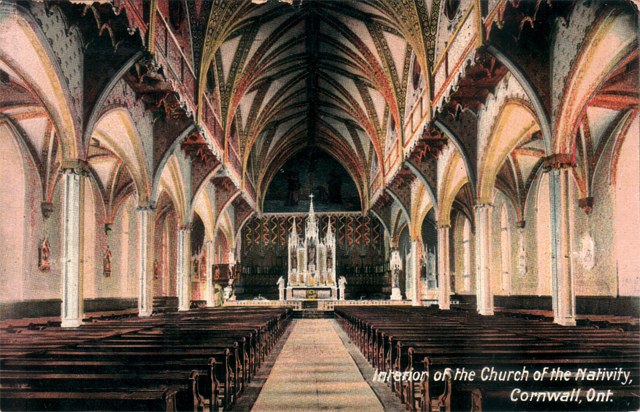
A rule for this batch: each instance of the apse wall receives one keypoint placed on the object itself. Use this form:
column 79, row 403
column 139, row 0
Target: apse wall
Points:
column 360, row 254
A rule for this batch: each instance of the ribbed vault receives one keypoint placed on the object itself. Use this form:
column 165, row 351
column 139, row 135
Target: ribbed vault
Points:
column 323, row 74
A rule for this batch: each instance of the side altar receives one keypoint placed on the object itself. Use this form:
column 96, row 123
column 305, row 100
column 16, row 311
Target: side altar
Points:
column 312, row 262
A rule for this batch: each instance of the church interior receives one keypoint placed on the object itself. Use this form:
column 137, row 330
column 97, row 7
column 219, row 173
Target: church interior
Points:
column 283, row 204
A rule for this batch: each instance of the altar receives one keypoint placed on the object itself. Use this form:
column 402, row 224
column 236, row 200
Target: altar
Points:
column 311, row 262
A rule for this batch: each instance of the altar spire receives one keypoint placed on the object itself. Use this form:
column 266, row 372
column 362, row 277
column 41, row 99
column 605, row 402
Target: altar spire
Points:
column 312, row 213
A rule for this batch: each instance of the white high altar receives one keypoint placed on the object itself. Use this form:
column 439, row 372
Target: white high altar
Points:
column 312, row 262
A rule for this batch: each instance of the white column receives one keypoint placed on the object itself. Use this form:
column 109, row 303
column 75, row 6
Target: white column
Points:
column 208, row 287
column 183, row 277
column 146, row 230
column 416, row 292
column 72, row 245
column 483, row 259
column 564, row 303
column 444, row 269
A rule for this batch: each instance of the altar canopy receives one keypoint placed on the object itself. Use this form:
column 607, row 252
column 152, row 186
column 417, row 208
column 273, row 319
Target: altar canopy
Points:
column 312, row 261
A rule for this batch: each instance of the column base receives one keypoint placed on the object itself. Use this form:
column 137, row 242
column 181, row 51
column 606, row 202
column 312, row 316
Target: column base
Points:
column 395, row 294
column 565, row 321
column 70, row 323
column 182, row 309
column 485, row 312
column 144, row 313
column 444, row 306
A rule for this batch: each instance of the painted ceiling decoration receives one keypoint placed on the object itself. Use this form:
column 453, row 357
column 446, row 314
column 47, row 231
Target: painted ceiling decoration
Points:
column 290, row 75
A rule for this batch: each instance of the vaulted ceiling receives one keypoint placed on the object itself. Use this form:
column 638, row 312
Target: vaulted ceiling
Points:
column 315, row 74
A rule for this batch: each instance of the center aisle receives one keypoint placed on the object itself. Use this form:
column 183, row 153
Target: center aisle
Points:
column 314, row 371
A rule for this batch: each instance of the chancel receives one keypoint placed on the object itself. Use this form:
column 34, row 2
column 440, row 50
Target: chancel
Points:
column 319, row 205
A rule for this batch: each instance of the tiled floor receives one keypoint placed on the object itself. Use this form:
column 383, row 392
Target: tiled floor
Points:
column 314, row 372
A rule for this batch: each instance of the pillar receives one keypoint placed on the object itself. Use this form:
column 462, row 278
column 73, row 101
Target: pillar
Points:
column 145, row 261
column 444, row 268
column 563, row 293
column 183, row 277
column 208, row 287
column 72, row 246
column 416, row 292
column 483, row 259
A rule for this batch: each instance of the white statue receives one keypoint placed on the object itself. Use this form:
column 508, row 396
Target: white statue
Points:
column 228, row 291
column 396, row 267
column 342, row 282
column 395, row 278
column 281, row 284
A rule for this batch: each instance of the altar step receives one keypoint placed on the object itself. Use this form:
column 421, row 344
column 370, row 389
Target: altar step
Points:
column 313, row 314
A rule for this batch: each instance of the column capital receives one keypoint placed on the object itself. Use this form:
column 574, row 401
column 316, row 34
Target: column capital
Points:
column 443, row 226
column 75, row 166
column 148, row 207
column 480, row 206
column 185, row 227
column 520, row 224
column 558, row 161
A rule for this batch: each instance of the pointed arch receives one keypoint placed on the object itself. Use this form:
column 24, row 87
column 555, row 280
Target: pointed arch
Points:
column 26, row 54
column 515, row 123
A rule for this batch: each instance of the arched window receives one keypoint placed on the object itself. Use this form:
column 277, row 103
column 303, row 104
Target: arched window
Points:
column 466, row 252
column 505, row 250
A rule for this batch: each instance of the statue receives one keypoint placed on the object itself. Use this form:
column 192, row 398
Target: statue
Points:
column 281, row 285
column 395, row 278
column 216, row 273
column 342, row 282
column 312, row 256
column 396, row 267
column 106, row 263
column 44, row 254
column 217, row 295
column 228, row 291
